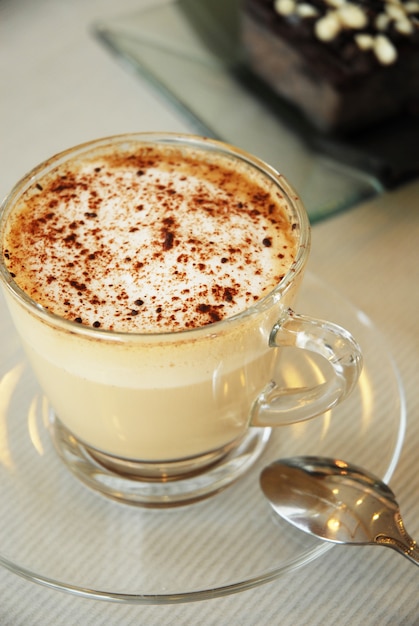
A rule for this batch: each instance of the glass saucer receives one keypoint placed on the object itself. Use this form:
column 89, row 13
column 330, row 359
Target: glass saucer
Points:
column 56, row 531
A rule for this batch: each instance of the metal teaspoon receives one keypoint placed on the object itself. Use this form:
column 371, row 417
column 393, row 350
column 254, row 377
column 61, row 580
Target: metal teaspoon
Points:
column 337, row 502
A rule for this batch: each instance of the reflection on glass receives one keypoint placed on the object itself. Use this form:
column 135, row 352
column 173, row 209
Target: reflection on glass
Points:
column 7, row 386
column 33, row 425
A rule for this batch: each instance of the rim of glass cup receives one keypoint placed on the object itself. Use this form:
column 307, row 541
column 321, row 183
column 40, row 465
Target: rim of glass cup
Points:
column 295, row 205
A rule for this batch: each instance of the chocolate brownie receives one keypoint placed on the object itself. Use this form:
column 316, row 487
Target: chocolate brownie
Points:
column 345, row 64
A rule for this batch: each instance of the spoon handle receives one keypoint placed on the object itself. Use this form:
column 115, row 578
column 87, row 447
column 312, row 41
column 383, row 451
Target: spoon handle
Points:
column 403, row 543
column 411, row 552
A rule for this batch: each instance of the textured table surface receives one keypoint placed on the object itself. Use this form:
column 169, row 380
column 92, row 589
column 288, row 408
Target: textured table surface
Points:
column 60, row 88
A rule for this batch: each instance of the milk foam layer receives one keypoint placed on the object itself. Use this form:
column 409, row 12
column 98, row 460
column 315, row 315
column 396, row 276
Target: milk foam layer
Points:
column 149, row 240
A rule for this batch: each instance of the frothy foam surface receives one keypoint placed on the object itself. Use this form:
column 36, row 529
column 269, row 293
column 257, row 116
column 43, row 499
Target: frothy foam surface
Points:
column 150, row 239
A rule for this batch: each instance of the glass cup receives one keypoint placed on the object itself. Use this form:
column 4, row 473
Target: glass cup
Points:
column 160, row 419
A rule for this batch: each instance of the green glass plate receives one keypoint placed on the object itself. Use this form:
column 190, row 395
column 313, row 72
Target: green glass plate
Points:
column 190, row 51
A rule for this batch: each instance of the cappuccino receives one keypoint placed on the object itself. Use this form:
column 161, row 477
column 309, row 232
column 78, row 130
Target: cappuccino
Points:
column 152, row 279
column 140, row 250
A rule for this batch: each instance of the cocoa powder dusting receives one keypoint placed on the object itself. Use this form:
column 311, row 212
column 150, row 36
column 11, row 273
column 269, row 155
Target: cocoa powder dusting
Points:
column 149, row 240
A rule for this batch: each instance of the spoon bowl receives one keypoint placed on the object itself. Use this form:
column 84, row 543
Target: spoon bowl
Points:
column 337, row 502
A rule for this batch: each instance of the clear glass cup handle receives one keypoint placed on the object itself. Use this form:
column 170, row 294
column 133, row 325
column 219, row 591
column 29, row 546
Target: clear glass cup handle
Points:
column 278, row 406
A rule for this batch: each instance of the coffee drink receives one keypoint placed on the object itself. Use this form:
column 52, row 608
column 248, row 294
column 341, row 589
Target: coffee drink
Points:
column 150, row 239
column 151, row 278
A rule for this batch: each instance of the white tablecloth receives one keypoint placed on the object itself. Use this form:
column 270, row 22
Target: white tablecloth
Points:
column 58, row 88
